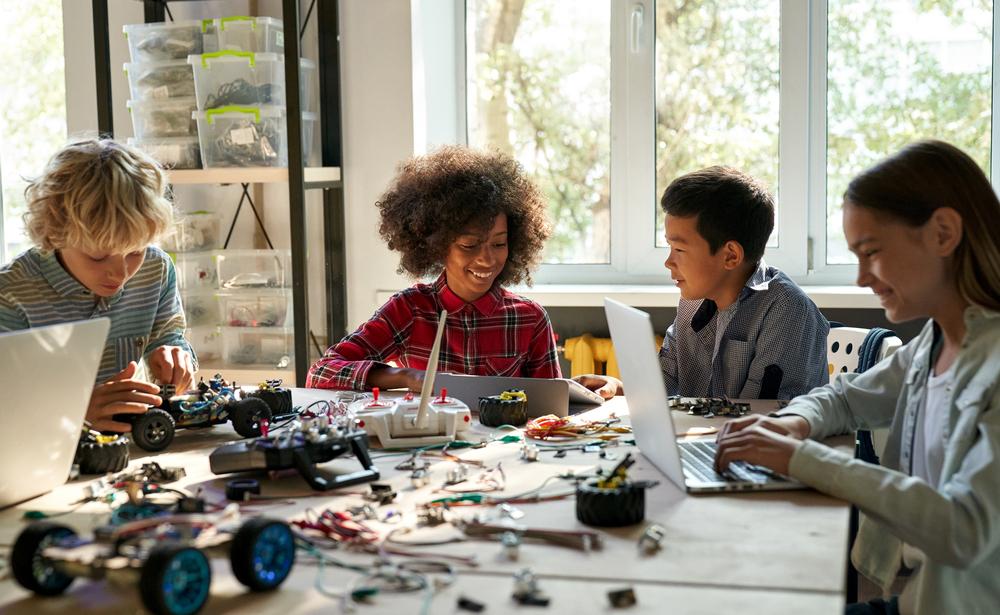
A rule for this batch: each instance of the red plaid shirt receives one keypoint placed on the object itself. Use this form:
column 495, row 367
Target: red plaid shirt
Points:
column 500, row 334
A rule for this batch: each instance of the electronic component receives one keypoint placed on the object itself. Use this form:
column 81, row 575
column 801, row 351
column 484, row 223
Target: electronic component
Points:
column 526, row 589
column 652, row 539
column 240, row 490
column 305, row 444
column 622, row 598
column 709, row 407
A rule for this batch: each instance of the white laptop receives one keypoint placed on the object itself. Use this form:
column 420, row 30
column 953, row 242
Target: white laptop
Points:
column 687, row 463
column 558, row 396
column 47, row 379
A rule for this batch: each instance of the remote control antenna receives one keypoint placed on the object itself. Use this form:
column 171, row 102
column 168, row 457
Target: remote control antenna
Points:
column 427, row 390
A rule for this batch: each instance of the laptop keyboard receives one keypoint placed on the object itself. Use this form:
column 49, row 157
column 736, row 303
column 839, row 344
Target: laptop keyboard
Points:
column 698, row 457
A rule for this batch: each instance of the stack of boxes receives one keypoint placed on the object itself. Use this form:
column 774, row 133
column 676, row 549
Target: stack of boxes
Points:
column 211, row 93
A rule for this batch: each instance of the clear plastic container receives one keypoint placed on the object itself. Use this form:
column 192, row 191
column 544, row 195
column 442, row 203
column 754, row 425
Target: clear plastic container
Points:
column 202, row 307
column 170, row 117
column 256, row 308
column 267, row 348
column 156, row 42
column 244, row 78
column 242, row 33
column 254, row 269
column 207, row 343
column 195, row 231
column 248, row 136
column 197, row 270
column 159, row 80
column 172, row 152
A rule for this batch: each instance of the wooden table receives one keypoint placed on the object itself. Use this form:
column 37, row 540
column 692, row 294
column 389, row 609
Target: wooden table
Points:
column 747, row 552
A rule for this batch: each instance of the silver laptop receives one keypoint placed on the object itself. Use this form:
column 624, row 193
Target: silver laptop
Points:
column 687, row 463
column 558, row 396
column 47, row 379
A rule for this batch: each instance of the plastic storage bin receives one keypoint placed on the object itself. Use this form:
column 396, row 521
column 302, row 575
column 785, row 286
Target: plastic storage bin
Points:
column 241, row 33
column 254, row 269
column 226, row 78
column 170, row 117
column 156, row 42
column 248, row 136
column 201, row 307
column 207, row 343
column 195, row 231
column 256, row 308
column 158, row 80
column 197, row 270
column 268, row 348
column 172, row 152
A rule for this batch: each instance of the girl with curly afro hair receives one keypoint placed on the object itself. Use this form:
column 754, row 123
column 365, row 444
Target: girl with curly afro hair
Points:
column 475, row 221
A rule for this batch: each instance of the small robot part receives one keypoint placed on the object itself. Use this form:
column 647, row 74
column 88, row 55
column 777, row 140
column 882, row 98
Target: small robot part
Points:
column 622, row 598
column 456, row 475
column 529, row 452
column 652, row 539
column 613, row 500
column 419, row 478
column 241, row 489
column 277, row 398
column 468, row 604
column 382, row 493
column 507, row 408
column 98, row 453
column 302, row 446
column 709, row 407
column 526, row 590
column 511, row 545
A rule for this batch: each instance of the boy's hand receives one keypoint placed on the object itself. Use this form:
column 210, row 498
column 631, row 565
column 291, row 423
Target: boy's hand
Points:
column 120, row 394
column 793, row 426
column 171, row 365
column 386, row 377
column 605, row 386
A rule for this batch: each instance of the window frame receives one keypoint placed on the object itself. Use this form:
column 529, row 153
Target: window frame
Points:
column 802, row 230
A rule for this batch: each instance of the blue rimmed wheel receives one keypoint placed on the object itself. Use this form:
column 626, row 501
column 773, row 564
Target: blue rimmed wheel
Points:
column 33, row 571
column 175, row 580
column 262, row 553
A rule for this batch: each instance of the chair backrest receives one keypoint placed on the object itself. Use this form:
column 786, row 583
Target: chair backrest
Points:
column 843, row 345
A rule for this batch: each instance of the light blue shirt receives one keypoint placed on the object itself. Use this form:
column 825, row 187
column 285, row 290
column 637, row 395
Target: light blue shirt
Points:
column 949, row 532
column 36, row 290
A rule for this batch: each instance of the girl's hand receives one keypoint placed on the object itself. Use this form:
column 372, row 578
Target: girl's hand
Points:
column 605, row 386
column 756, row 444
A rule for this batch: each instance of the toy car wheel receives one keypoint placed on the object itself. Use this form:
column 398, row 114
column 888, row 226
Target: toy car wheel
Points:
column 175, row 580
column 625, row 505
column 100, row 454
column 262, row 553
column 31, row 569
column 278, row 400
column 246, row 415
column 153, row 431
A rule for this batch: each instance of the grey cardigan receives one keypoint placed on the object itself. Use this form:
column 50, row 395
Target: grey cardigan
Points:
column 948, row 533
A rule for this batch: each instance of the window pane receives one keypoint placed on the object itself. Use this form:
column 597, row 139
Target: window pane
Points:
column 716, row 90
column 898, row 71
column 539, row 88
column 33, row 116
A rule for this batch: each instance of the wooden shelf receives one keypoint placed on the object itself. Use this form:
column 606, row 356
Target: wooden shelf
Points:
column 315, row 177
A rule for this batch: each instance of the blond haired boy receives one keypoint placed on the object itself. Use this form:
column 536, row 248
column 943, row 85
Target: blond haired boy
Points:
column 92, row 215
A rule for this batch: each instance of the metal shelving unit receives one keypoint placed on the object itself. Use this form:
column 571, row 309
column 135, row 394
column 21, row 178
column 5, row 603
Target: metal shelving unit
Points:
column 326, row 178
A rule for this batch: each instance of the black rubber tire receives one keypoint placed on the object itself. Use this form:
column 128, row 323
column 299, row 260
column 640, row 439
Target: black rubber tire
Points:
column 155, row 569
column 241, row 553
column 246, row 414
column 280, row 401
column 26, row 559
column 98, row 458
column 494, row 412
column 153, row 431
column 625, row 505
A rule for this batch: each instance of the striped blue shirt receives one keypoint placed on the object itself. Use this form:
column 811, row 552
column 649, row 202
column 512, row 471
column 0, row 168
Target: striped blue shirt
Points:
column 773, row 343
column 36, row 290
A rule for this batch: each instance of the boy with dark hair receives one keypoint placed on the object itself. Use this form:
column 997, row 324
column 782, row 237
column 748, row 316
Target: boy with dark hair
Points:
column 743, row 329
